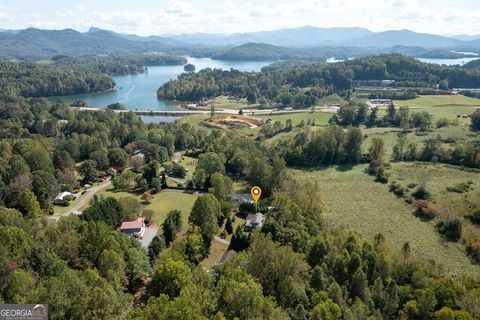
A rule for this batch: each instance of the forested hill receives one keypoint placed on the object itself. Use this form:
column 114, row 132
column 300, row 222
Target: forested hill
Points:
column 320, row 79
column 35, row 44
column 30, row 79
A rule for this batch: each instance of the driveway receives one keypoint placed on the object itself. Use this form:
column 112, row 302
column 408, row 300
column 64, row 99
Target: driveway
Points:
column 177, row 157
column 86, row 198
column 150, row 233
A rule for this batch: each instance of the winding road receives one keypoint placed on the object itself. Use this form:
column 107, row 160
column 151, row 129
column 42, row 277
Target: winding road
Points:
column 85, row 199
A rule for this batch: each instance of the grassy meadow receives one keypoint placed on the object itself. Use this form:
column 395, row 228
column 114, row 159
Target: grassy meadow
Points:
column 161, row 204
column 354, row 201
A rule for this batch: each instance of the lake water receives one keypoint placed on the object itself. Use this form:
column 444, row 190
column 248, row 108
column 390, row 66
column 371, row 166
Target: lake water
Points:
column 449, row 62
column 139, row 91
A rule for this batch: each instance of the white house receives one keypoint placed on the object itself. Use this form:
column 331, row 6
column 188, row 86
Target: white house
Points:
column 254, row 221
column 60, row 198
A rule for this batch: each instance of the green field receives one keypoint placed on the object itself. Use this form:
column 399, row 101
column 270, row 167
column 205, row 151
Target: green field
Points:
column 449, row 107
column 224, row 102
column 354, row 201
column 320, row 118
column 162, row 203
column 436, row 101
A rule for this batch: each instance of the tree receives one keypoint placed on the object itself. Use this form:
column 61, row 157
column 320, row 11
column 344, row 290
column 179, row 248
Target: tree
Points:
column 150, row 171
column 108, row 210
column 30, row 205
column 101, row 159
column 377, row 149
column 146, row 197
column 45, row 187
column 194, row 250
column 117, row 157
column 131, row 207
column 353, row 145
column 222, row 186
column 155, row 247
column 170, row 277
column 205, row 214
column 198, row 178
column 21, row 284
column 178, row 171
column 88, row 169
column 172, row 225
column 111, row 266
column 372, row 117
column 211, row 162
column 38, row 158
column 475, row 120
column 148, row 215
column 229, row 226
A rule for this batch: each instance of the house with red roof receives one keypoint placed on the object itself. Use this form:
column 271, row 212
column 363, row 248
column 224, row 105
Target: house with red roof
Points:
column 135, row 228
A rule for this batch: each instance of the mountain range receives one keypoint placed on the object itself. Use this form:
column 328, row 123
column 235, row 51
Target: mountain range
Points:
column 34, row 43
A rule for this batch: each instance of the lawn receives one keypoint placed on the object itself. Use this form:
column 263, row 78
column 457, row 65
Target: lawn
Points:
column 320, row 118
column 224, row 102
column 161, row 204
column 217, row 249
column 443, row 106
column 354, row 201
column 436, row 101
column 63, row 209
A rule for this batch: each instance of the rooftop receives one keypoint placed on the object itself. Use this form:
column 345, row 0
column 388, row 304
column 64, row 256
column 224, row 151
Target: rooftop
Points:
column 135, row 224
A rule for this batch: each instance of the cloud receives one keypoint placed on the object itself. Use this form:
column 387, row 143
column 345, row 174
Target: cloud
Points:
column 179, row 8
column 64, row 14
column 232, row 16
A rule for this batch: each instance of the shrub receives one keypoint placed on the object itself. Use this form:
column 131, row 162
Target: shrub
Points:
column 451, row 229
column 374, row 166
column 397, row 189
column 424, row 210
column 473, row 251
column 460, row 187
column 474, row 216
column 411, row 185
column 421, row 193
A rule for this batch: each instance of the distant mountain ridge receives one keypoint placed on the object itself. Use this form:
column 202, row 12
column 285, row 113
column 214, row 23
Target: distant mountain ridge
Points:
column 303, row 42
column 35, row 43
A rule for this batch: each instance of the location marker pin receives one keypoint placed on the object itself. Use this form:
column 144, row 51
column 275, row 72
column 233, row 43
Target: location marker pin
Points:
column 256, row 192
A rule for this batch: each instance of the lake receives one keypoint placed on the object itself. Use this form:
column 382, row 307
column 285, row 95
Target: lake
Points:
column 139, row 91
column 449, row 62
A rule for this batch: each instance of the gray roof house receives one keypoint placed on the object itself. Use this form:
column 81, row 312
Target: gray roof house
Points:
column 254, row 221
column 242, row 198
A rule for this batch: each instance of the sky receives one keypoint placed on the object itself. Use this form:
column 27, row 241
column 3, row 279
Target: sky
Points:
column 158, row 17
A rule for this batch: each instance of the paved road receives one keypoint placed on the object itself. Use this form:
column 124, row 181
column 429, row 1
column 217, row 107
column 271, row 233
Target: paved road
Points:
column 86, row 198
column 148, row 235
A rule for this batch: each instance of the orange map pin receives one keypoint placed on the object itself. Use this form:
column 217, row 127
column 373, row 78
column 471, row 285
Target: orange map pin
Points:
column 256, row 192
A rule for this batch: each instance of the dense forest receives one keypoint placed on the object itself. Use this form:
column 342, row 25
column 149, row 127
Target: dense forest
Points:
column 65, row 75
column 300, row 84
column 122, row 64
column 297, row 267
column 31, row 79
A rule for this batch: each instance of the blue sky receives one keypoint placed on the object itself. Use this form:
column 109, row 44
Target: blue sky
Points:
column 230, row 16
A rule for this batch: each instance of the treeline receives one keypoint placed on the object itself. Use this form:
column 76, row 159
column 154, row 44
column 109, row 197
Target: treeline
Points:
column 285, row 82
column 295, row 268
column 45, row 79
column 122, row 64
column 352, row 115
